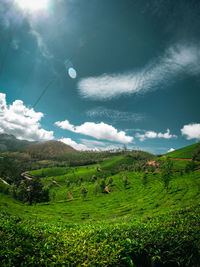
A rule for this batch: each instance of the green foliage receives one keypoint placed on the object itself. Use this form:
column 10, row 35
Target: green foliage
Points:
column 133, row 226
column 171, row 240
column 9, row 170
column 166, row 171
column 110, row 181
column 97, row 189
column 196, row 153
column 184, row 153
column 84, row 192
column 102, row 185
column 191, row 166
column 145, row 175
column 4, row 188
column 125, row 181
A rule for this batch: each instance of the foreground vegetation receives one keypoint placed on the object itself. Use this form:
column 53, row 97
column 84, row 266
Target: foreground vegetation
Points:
column 132, row 209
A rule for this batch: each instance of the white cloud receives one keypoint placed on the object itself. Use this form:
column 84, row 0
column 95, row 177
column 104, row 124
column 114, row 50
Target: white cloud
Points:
column 73, row 144
column 114, row 115
column 65, row 125
column 170, row 150
column 191, row 131
column 97, row 130
column 176, row 60
column 152, row 135
column 93, row 145
column 99, row 145
column 21, row 121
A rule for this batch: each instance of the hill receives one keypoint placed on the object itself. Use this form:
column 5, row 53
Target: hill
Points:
column 184, row 153
column 140, row 222
column 10, row 142
column 49, row 149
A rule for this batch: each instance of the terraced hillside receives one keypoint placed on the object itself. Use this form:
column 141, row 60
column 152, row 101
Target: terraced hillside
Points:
column 138, row 221
column 183, row 153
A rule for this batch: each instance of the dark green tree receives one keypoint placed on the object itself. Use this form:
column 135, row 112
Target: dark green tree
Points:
column 190, row 166
column 96, row 189
column 110, row 181
column 145, row 175
column 102, row 185
column 196, row 153
column 84, row 192
column 125, row 181
column 34, row 188
column 45, row 194
column 166, row 171
column 21, row 192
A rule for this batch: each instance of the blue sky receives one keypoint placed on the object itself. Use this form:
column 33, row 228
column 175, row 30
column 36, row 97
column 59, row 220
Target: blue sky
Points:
column 103, row 73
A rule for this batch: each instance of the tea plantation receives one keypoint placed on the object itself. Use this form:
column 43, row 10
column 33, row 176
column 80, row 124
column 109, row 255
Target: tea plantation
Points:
column 120, row 212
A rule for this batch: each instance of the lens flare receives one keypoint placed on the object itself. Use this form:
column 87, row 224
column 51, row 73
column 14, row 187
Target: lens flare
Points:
column 72, row 73
column 33, row 5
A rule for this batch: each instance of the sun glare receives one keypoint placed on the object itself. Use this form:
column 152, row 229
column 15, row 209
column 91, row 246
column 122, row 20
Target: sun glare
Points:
column 33, row 5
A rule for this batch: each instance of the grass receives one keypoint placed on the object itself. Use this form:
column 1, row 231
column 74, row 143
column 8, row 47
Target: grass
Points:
column 184, row 153
column 140, row 224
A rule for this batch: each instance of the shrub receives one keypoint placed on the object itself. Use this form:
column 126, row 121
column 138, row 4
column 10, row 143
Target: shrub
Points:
column 84, row 192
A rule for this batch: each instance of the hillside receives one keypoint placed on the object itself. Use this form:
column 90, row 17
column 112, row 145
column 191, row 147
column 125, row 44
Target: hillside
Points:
column 138, row 221
column 49, row 149
column 10, row 142
column 183, row 153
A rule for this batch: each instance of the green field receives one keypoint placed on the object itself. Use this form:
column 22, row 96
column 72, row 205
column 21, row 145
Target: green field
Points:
column 183, row 153
column 139, row 223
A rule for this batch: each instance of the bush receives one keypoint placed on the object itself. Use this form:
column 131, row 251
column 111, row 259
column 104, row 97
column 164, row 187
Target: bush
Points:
column 190, row 166
column 166, row 171
column 84, row 192
column 102, row 185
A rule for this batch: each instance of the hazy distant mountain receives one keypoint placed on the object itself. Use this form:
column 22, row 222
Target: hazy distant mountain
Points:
column 49, row 149
column 10, row 142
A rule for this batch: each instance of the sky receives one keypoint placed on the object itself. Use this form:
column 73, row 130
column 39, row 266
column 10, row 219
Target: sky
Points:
column 101, row 74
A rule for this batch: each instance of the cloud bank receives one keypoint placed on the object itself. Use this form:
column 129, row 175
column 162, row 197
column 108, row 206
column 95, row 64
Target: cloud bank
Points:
column 176, row 60
column 97, row 130
column 153, row 135
column 191, row 131
column 93, row 145
column 21, row 121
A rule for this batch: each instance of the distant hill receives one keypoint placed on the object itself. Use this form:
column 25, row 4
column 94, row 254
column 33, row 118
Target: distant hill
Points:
column 49, row 149
column 184, row 153
column 10, row 142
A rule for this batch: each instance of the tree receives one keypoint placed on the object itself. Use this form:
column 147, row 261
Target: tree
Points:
column 94, row 178
column 9, row 170
column 190, row 166
column 96, row 189
column 53, row 195
column 45, row 194
column 125, row 181
column 166, row 171
column 21, row 192
column 102, row 185
column 34, row 188
column 110, row 181
column 84, row 192
column 196, row 153
column 145, row 178
column 67, row 182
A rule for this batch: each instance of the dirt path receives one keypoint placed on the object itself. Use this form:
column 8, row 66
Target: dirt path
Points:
column 55, row 182
column 4, row 181
column 181, row 159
